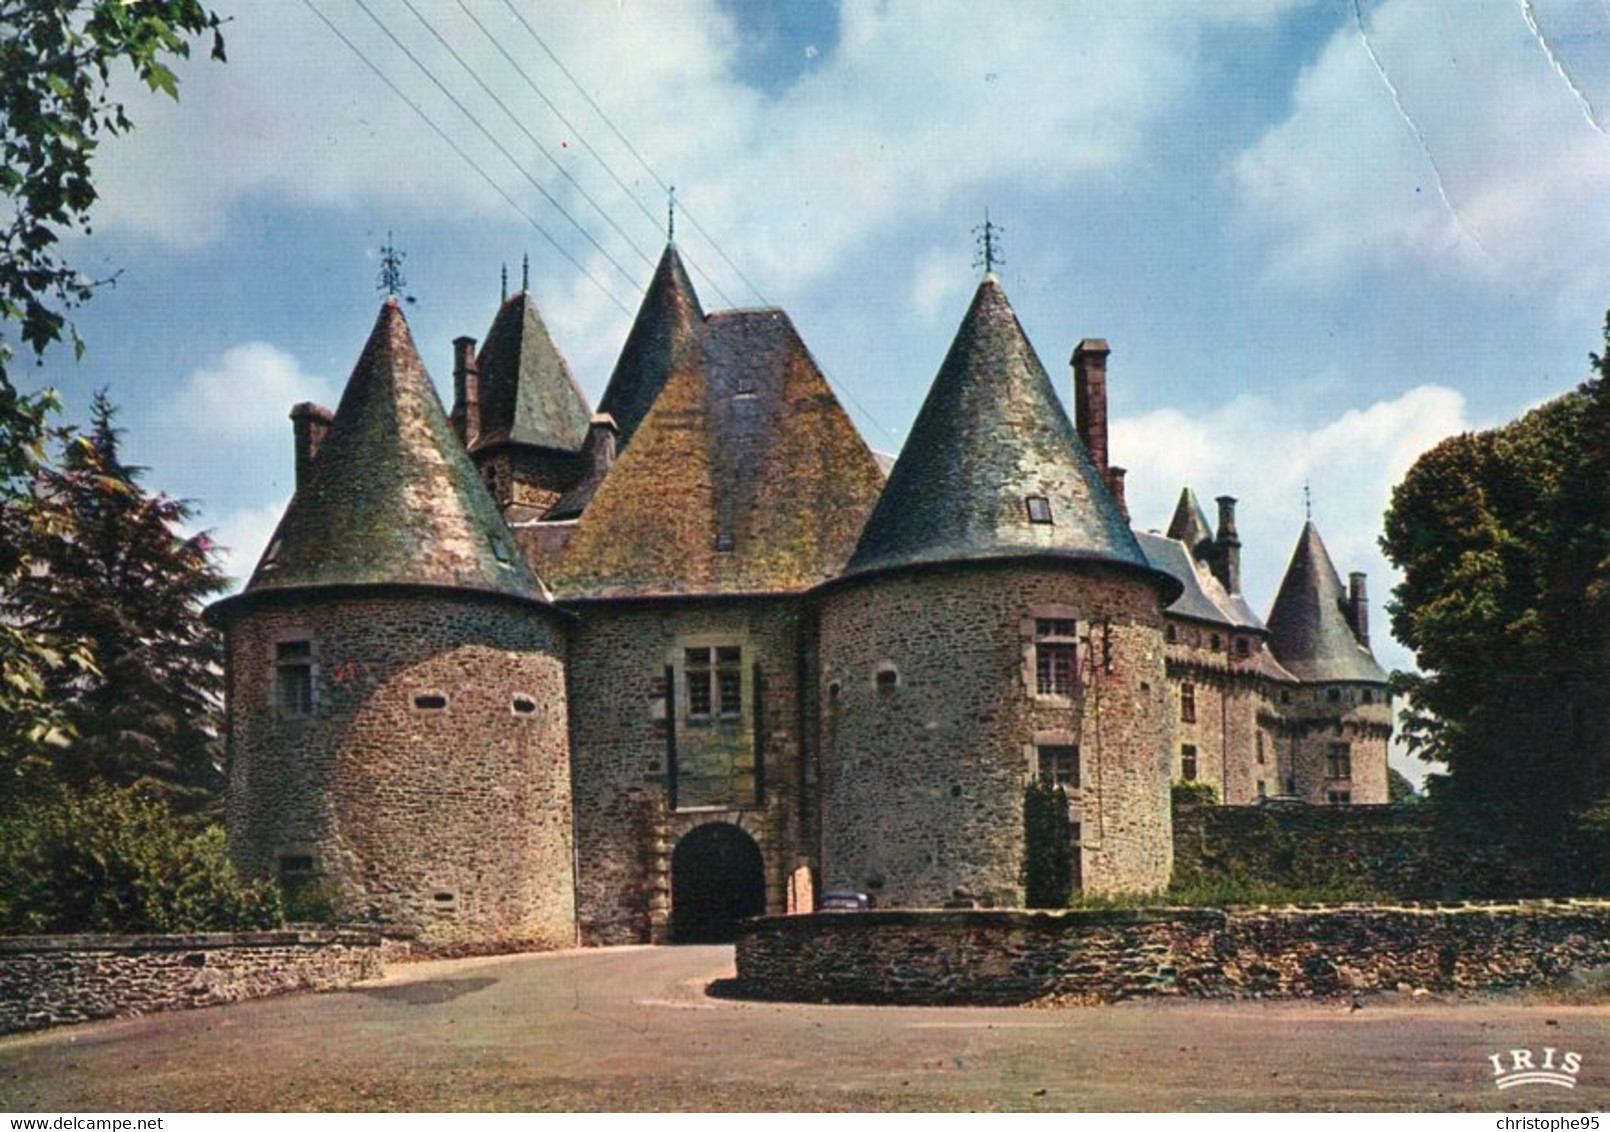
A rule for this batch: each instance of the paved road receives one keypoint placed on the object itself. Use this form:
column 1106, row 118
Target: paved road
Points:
column 634, row 1029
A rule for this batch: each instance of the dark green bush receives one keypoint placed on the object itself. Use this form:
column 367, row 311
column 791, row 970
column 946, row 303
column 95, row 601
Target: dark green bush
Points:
column 1047, row 846
column 1189, row 792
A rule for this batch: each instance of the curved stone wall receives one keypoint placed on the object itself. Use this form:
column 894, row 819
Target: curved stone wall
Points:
column 931, row 715
column 429, row 786
column 978, row 958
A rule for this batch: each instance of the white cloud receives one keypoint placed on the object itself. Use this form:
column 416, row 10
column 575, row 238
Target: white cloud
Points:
column 242, row 535
column 1490, row 170
column 246, row 393
column 1259, row 450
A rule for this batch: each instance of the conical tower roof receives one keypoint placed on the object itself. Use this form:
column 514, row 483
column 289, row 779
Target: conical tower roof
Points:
column 667, row 326
column 527, row 393
column 1190, row 523
column 1308, row 630
column 393, row 498
column 990, row 436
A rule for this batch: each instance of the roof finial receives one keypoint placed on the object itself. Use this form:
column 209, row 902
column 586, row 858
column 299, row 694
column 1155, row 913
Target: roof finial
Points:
column 1308, row 503
column 989, row 251
column 525, row 273
column 391, row 281
column 670, row 215
column 503, row 295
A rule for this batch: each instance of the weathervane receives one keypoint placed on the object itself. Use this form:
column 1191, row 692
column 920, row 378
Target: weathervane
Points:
column 989, row 252
column 503, row 297
column 1308, row 503
column 391, row 282
column 525, row 273
column 670, row 215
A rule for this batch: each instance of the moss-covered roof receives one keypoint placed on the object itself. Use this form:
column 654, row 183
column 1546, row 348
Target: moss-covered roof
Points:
column 393, row 498
column 666, row 328
column 745, row 476
column 1308, row 630
column 991, row 435
column 528, row 395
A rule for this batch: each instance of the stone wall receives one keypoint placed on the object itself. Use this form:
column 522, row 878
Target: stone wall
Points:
column 931, row 717
column 1319, row 716
column 429, row 784
column 976, row 958
column 54, row 980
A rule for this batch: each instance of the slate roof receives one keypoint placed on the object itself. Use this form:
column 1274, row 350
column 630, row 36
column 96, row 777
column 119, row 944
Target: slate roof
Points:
column 527, row 393
column 990, row 434
column 393, row 498
column 666, row 327
column 745, row 476
column 1309, row 633
column 1202, row 596
column 1190, row 523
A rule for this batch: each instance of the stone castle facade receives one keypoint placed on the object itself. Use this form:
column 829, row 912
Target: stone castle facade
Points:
column 523, row 674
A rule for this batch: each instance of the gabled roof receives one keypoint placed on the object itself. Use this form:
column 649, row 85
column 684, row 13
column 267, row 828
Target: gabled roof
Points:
column 746, row 476
column 527, row 393
column 1308, row 631
column 1202, row 596
column 1190, row 523
column 667, row 326
column 991, row 434
column 393, row 498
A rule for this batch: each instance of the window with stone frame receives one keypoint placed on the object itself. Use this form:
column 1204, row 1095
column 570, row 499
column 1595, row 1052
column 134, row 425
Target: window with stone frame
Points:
column 1339, row 761
column 1339, row 798
column 1058, row 764
column 1056, row 656
column 713, row 676
column 1188, row 703
column 1188, row 762
column 293, row 677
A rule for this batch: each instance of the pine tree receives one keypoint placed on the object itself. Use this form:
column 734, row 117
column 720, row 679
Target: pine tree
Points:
column 113, row 571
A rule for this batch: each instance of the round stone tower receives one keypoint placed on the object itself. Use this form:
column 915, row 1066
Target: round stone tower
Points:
column 998, row 622
column 396, row 679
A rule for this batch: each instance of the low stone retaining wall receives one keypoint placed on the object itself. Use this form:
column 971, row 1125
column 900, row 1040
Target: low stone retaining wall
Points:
column 52, row 980
column 1003, row 958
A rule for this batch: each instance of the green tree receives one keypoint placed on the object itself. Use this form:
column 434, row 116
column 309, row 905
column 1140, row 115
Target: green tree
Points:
column 1047, row 846
column 112, row 569
column 1503, row 538
column 1398, row 787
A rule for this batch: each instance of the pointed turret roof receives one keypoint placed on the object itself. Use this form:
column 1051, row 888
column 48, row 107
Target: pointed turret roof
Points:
column 393, row 498
column 1190, row 523
column 1308, row 630
column 746, row 476
column 667, row 326
column 991, row 435
column 527, row 393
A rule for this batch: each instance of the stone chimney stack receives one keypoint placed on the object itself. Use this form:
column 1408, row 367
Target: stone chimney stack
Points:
column 309, row 423
column 466, row 416
column 598, row 450
column 1358, row 607
column 1115, row 480
column 1090, row 399
column 1227, row 547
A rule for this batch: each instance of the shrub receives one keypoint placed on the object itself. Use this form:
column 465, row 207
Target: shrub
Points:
column 119, row 861
column 1189, row 792
column 1047, row 846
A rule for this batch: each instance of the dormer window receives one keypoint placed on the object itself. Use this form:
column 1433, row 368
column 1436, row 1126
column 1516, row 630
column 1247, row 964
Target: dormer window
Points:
column 1039, row 509
column 499, row 551
column 724, row 544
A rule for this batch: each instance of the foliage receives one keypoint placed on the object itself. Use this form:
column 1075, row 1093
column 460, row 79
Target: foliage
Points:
column 1189, row 792
column 1503, row 538
column 1399, row 789
column 1047, row 846
column 112, row 570
column 120, row 861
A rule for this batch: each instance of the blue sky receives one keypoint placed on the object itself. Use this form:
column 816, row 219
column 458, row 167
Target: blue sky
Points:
column 1319, row 236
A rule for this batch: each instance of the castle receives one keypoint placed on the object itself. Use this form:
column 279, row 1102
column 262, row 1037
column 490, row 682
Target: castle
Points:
column 525, row 674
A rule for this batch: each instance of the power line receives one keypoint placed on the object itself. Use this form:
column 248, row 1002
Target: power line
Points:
column 521, row 126
column 466, row 158
column 499, row 146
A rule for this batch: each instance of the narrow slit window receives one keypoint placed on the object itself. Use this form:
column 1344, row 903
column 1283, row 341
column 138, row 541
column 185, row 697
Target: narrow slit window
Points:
column 729, row 682
column 430, row 701
column 699, row 679
column 523, row 705
column 1039, row 509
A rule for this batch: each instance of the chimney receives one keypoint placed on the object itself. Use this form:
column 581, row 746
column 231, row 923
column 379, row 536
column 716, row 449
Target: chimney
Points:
column 1115, row 482
column 1090, row 397
column 1227, row 547
column 466, row 391
column 598, row 450
column 309, row 423
column 1358, row 607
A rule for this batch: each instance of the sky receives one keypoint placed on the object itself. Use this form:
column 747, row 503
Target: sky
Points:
column 1319, row 236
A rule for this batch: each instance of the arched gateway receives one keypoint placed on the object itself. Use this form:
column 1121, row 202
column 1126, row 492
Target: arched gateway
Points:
column 717, row 879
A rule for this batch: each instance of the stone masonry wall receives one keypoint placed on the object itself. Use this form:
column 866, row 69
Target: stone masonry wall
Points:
column 931, row 717
column 625, row 718
column 976, row 958
column 1229, row 703
column 55, row 980
column 1319, row 715
column 448, row 814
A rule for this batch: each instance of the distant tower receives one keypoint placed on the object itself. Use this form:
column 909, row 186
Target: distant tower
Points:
column 398, row 729
column 997, row 622
column 1340, row 717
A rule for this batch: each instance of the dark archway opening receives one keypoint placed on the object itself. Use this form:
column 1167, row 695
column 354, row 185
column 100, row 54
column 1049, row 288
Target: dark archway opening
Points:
column 717, row 879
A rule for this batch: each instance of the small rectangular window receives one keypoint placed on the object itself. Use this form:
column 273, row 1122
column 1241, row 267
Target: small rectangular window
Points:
column 1263, row 791
column 293, row 676
column 1039, row 509
column 1339, row 797
column 699, row 681
column 1260, row 748
column 296, row 869
column 1059, row 765
column 1188, row 703
column 1188, row 762
column 1076, row 832
column 1339, row 761
column 714, row 679
column 431, row 701
column 1056, row 656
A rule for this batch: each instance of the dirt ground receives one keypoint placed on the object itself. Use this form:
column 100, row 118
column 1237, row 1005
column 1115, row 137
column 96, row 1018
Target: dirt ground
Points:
column 635, row 1029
